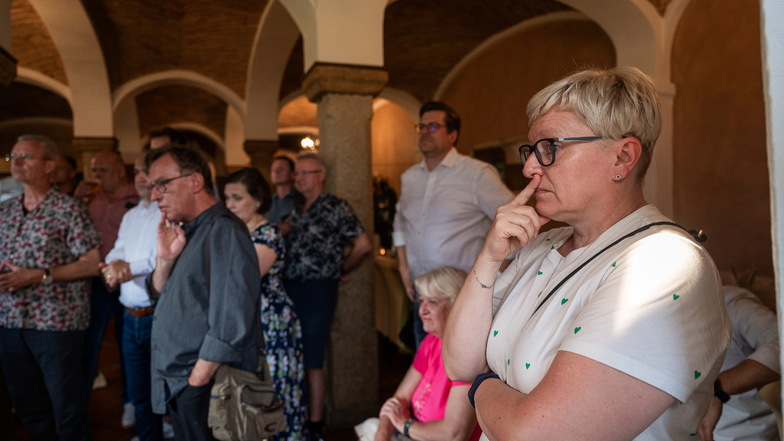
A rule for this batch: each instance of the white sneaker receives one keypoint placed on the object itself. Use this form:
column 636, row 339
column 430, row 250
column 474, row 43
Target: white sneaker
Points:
column 168, row 430
column 100, row 381
column 128, row 416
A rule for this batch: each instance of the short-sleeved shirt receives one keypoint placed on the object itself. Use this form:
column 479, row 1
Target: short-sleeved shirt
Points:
column 649, row 307
column 428, row 403
column 281, row 208
column 318, row 237
column 107, row 215
column 55, row 233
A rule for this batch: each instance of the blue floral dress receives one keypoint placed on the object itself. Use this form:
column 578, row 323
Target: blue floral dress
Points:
column 282, row 336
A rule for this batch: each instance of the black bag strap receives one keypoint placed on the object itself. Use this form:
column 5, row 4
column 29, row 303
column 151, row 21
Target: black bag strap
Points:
column 698, row 236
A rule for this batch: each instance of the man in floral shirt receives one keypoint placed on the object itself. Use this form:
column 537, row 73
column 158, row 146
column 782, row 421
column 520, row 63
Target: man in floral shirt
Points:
column 48, row 251
column 321, row 227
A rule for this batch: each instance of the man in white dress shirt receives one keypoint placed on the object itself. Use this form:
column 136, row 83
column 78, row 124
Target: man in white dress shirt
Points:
column 737, row 411
column 129, row 263
column 447, row 203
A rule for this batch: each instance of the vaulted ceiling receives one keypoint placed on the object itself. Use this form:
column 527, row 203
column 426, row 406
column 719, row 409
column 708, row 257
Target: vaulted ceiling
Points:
column 423, row 41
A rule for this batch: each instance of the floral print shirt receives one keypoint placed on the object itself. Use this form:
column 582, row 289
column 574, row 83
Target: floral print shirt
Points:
column 318, row 237
column 56, row 232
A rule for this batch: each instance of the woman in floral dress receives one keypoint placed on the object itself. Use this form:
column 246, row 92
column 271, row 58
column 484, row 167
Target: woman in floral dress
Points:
column 248, row 196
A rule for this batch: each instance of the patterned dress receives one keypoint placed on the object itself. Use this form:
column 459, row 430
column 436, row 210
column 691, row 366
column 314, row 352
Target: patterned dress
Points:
column 283, row 336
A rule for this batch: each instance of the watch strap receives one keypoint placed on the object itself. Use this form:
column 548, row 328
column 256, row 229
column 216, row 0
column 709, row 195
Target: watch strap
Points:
column 407, row 426
column 479, row 379
column 719, row 393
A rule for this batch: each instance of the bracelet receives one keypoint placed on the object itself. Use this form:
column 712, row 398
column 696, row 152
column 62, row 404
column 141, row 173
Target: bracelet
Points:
column 479, row 379
column 407, row 426
column 479, row 282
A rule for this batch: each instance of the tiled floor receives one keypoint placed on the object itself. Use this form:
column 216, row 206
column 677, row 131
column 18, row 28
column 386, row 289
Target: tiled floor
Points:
column 106, row 407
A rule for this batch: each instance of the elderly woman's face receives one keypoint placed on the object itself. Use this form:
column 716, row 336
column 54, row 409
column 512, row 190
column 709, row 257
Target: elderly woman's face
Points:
column 433, row 311
column 581, row 171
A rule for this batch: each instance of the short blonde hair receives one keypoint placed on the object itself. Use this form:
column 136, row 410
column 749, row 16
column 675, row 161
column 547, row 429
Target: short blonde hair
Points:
column 615, row 103
column 441, row 283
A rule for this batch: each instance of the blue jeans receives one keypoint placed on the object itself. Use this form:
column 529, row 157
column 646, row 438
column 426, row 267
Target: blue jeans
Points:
column 45, row 380
column 102, row 304
column 136, row 356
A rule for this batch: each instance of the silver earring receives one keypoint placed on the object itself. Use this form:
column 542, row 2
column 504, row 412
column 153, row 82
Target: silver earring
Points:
column 618, row 177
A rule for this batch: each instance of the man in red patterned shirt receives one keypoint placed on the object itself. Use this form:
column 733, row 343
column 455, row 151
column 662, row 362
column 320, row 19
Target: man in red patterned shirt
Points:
column 48, row 252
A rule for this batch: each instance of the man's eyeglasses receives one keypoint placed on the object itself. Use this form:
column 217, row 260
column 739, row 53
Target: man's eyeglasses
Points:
column 427, row 128
column 306, row 172
column 23, row 156
column 545, row 149
column 162, row 184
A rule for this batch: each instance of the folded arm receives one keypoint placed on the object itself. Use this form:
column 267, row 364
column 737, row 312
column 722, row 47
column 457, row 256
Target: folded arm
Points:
column 578, row 398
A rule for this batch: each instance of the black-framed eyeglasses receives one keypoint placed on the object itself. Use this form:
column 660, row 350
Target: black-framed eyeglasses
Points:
column 545, row 148
column 428, row 128
column 162, row 184
column 23, row 156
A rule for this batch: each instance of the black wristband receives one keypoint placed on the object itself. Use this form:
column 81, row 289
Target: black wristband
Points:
column 479, row 379
column 719, row 393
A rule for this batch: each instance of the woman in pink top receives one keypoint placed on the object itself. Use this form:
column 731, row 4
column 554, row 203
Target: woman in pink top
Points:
column 428, row 405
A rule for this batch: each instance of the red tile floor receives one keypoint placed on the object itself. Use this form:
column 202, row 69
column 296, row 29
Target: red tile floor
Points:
column 106, row 407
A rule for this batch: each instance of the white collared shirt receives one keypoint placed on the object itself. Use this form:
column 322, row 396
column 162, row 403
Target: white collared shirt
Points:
column 443, row 215
column 135, row 244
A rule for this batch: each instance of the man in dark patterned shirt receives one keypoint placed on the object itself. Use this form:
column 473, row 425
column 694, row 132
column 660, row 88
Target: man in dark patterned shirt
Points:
column 48, row 251
column 321, row 227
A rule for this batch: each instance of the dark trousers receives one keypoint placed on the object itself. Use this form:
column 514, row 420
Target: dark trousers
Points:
column 314, row 303
column 43, row 371
column 136, row 355
column 103, row 305
column 6, row 420
column 188, row 411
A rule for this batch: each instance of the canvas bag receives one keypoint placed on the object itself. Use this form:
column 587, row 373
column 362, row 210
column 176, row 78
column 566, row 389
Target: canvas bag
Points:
column 244, row 405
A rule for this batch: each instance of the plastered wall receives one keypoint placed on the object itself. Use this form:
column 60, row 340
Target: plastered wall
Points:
column 719, row 147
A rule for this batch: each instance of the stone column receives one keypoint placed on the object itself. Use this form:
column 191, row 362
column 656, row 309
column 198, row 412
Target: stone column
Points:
column 7, row 68
column 89, row 147
column 345, row 98
column 261, row 153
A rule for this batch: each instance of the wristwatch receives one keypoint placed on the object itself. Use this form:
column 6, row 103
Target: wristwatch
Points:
column 479, row 379
column 47, row 277
column 719, row 393
column 407, row 426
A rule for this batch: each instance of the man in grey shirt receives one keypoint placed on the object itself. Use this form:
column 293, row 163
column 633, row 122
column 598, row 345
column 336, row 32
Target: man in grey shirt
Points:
column 206, row 282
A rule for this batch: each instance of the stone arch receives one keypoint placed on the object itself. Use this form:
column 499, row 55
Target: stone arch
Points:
column 34, row 78
column 182, row 77
column 80, row 51
column 403, row 99
column 275, row 38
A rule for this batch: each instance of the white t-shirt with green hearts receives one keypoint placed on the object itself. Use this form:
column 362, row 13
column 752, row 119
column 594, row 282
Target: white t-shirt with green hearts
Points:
column 650, row 307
